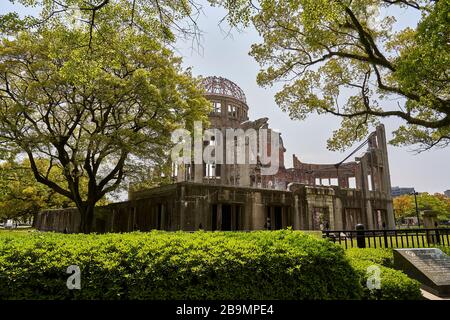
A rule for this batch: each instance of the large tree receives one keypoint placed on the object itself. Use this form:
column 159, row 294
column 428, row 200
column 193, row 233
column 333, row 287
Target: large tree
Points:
column 347, row 58
column 98, row 105
column 166, row 19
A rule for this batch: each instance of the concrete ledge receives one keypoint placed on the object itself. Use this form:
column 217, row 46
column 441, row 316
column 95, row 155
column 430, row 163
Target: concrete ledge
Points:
column 429, row 296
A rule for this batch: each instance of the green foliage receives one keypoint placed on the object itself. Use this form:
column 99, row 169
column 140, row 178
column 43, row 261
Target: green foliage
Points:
column 379, row 256
column 350, row 59
column 395, row 285
column 161, row 19
column 161, row 265
column 22, row 196
column 405, row 205
column 423, row 67
column 202, row 265
column 446, row 250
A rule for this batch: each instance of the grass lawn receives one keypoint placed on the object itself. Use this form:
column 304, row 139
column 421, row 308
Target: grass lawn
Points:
column 399, row 241
column 376, row 243
column 18, row 231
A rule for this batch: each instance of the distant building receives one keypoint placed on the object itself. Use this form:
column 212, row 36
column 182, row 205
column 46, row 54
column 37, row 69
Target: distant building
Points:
column 399, row 191
column 447, row 193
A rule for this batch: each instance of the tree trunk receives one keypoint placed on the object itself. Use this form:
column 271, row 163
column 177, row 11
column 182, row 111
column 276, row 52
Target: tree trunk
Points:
column 87, row 218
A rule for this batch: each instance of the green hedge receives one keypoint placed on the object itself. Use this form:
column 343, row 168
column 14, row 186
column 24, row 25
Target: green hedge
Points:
column 162, row 265
column 202, row 265
column 394, row 285
column 382, row 256
column 446, row 250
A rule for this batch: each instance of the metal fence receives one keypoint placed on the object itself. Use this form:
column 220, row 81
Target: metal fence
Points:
column 401, row 238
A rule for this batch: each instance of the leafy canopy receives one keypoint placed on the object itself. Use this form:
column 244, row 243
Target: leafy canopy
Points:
column 346, row 58
column 163, row 19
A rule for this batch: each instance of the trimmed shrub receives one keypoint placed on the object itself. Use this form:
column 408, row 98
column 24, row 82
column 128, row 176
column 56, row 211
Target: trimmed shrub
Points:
column 446, row 250
column 162, row 265
column 394, row 285
column 382, row 256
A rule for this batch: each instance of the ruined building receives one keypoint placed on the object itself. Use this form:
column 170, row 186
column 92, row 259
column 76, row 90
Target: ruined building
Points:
column 213, row 196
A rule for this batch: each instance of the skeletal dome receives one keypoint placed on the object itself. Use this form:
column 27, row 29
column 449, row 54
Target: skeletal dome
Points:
column 219, row 86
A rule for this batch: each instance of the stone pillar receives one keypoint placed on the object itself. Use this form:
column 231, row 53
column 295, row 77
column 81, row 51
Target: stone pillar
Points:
column 376, row 178
column 429, row 219
column 225, row 174
column 258, row 218
column 219, row 217
column 358, row 175
column 330, row 204
column 385, row 176
column 310, row 213
column 181, row 172
column 244, row 175
column 296, row 213
column 338, row 222
column 390, row 215
column 224, row 167
column 366, row 192
column 198, row 173
column 248, row 207
column 369, row 215
column 364, row 181
column 372, row 179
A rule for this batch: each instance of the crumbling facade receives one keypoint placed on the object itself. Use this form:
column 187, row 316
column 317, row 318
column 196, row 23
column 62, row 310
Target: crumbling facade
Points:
column 214, row 196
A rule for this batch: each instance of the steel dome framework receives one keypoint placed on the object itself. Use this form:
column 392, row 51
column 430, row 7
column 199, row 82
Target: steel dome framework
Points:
column 224, row 87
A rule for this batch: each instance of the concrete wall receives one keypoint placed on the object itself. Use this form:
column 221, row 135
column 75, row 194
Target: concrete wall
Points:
column 59, row 220
column 192, row 206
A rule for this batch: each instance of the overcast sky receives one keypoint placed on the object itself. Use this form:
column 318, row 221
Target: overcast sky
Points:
column 227, row 56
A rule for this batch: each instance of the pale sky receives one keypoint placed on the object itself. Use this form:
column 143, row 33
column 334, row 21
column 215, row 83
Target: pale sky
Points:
column 227, row 56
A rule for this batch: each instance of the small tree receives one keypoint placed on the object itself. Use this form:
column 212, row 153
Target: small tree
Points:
column 436, row 202
column 404, row 206
column 101, row 112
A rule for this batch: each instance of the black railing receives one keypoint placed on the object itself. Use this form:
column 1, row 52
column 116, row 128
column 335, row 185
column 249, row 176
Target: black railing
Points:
column 401, row 238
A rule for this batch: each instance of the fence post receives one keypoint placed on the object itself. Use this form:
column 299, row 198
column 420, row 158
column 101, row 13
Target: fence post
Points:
column 385, row 236
column 360, row 236
column 438, row 237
